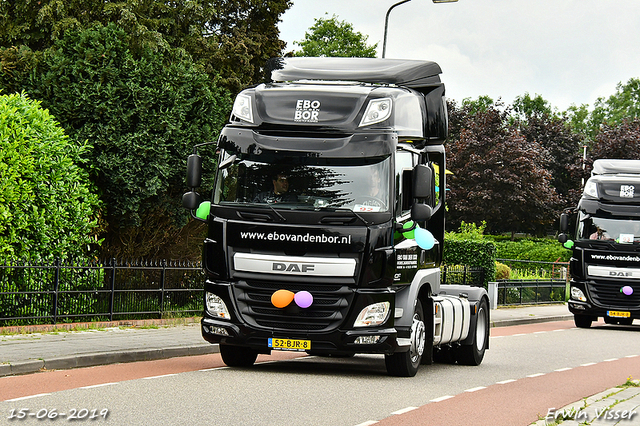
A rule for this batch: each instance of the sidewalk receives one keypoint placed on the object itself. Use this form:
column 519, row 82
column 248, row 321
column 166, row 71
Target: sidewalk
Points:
column 615, row 406
column 32, row 352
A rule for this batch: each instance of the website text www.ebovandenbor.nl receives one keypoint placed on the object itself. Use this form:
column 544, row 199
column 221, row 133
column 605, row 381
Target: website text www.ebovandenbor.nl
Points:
column 299, row 238
column 615, row 257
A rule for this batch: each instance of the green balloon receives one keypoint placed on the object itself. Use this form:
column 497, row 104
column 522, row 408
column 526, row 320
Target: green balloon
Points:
column 568, row 244
column 411, row 234
column 203, row 210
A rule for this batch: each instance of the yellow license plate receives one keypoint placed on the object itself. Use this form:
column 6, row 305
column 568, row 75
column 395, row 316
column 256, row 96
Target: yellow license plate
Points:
column 289, row 344
column 619, row 314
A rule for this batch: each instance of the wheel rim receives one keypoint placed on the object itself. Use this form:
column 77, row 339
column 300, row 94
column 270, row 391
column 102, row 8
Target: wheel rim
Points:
column 481, row 329
column 417, row 338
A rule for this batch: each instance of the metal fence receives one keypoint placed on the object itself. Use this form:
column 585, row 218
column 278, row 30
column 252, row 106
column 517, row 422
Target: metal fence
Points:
column 465, row 275
column 526, row 292
column 548, row 270
column 38, row 292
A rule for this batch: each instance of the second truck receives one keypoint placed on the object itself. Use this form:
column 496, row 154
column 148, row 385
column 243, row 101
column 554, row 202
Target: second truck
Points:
column 605, row 244
column 326, row 221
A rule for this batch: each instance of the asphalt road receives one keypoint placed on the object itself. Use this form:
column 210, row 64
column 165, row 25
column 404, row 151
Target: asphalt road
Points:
column 527, row 369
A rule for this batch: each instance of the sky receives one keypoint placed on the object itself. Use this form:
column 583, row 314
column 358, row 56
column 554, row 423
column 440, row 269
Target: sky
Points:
column 567, row 51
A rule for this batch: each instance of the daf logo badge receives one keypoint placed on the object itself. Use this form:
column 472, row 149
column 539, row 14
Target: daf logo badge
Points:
column 293, row 267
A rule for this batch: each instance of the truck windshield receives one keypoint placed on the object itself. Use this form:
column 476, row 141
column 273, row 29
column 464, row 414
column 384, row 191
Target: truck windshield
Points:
column 619, row 230
column 303, row 182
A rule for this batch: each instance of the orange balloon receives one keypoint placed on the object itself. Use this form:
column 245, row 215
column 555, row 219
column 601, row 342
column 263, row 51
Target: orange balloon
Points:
column 282, row 298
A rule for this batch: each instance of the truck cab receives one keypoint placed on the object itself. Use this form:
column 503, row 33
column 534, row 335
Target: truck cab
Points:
column 605, row 244
column 326, row 222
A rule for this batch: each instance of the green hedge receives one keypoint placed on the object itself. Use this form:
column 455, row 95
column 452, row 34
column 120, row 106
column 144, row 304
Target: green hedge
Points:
column 472, row 253
column 538, row 249
column 48, row 206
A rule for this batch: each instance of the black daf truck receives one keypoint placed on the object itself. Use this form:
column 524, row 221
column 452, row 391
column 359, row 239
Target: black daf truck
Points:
column 326, row 222
column 605, row 263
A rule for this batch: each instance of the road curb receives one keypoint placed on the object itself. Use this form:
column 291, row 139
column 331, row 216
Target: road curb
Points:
column 532, row 320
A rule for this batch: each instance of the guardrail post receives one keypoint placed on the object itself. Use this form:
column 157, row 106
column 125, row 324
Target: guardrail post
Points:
column 56, row 287
column 113, row 288
column 493, row 295
column 162, row 279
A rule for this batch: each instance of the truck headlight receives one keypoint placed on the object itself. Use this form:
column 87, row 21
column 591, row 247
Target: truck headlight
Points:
column 591, row 188
column 373, row 315
column 378, row 110
column 242, row 108
column 577, row 294
column 216, row 306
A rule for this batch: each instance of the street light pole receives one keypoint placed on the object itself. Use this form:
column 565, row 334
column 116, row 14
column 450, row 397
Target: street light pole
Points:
column 386, row 21
column 386, row 25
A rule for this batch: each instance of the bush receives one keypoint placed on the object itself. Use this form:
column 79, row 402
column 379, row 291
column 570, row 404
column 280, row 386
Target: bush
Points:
column 503, row 272
column 142, row 110
column 471, row 253
column 48, row 206
column 537, row 249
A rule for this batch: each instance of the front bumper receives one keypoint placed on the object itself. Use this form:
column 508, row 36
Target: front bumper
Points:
column 374, row 341
column 577, row 307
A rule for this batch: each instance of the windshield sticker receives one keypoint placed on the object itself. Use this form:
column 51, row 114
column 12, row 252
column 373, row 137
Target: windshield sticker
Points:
column 626, row 239
column 307, row 111
column 627, row 191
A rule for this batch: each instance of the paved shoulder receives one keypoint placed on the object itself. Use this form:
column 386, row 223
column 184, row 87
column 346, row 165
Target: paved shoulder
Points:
column 27, row 353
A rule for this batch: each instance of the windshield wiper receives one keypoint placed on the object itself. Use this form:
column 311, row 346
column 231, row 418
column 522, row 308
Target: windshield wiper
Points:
column 276, row 212
column 344, row 209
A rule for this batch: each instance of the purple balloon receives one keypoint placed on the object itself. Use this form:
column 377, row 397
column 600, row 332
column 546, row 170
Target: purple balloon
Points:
column 304, row 299
column 628, row 290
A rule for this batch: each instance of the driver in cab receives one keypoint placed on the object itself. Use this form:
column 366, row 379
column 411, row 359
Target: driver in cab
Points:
column 280, row 192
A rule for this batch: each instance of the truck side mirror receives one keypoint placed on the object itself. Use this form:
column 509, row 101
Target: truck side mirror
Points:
column 564, row 223
column 191, row 200
column 423, row 186
column 194, row 171
column 421, row 212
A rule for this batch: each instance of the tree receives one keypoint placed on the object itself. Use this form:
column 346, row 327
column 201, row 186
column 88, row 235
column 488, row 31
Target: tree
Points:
column 143, row 115
column 536, row 120
column 333, row 38
column 498, row 175
column 49, row 207
column 230, row 38
column 525, row 106
column 618, row 141
column 622, row 105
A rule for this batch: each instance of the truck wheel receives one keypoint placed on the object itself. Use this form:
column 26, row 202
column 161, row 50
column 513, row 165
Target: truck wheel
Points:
column 582, row 321
column 405, row 364
column 238, row 356
column 474, row 353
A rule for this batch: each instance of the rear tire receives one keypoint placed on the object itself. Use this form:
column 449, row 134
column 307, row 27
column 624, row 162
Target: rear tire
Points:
column 238, row 356
column 582, row 321
column 406, row 364
column 474, row 353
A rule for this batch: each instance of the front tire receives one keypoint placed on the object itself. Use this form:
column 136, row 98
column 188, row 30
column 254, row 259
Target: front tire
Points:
column 238, row 356
column 406, row 364
column 582, row 321
column 474, row 353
